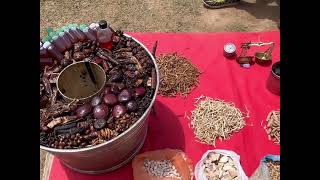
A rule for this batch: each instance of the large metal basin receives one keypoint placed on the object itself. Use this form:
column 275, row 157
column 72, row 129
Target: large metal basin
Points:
column 112, row 154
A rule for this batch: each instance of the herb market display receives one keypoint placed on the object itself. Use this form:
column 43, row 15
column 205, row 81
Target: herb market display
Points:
column 273, row 126
column 128, row 91
column 178, row 75
column 214, row 118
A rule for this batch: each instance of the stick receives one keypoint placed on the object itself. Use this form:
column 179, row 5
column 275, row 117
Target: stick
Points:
column 154, row 49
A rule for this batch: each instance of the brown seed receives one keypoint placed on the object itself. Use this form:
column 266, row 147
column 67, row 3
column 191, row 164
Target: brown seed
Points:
column 72, row 136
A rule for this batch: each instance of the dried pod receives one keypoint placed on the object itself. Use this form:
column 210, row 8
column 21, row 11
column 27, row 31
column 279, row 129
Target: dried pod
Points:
column 61, row 120
column 78, row 56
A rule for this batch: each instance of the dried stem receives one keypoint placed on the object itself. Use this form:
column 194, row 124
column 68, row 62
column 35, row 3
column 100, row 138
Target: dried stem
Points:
column 214, row 118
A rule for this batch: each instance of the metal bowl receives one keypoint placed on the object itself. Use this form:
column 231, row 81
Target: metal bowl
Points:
column 262, row 57
column 114, row 153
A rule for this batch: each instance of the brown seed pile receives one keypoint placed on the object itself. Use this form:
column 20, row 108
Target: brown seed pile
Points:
column 177, row 75
column 214, row 118
column 162, row 168
column 218, row 166
column 273, row 126
column 274, row 169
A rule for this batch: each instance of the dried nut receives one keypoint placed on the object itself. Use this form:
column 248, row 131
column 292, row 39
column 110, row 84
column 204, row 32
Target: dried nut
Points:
column 233, row 172
column 227, row 167
column 224, row 159
column 214, row 156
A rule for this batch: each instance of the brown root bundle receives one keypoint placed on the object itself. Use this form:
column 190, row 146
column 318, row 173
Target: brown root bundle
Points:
column 273, row 125
column 177, row 75
column 213, row 118
column 274, row 169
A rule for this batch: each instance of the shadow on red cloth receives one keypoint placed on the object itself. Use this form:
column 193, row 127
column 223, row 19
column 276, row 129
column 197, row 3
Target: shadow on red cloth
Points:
column 165, row 131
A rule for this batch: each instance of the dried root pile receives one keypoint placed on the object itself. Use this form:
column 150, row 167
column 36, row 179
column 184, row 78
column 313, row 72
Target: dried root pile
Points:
column 177, row 75
column 218, row 166
column 213, row 118
column 273, row 126
column 274, row 169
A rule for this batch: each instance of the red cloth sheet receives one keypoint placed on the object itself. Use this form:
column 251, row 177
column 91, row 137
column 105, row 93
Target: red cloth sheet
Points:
column 221, row 78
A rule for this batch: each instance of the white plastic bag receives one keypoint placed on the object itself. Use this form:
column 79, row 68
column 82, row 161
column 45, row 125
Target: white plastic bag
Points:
column 262, row 172
column 199, row 169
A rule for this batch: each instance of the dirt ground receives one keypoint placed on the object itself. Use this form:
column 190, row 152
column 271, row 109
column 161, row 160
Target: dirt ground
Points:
column 161, row 15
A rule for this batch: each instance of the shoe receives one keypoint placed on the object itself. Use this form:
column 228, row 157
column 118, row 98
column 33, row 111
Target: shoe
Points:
column 215, row 4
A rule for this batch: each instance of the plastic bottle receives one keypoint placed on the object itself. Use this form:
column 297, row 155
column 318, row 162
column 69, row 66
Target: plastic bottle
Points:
column 93, row 27
column 43, row 51
column 53, row 51
column 81, row 33
column 59, row 43
column 88, row 34
column 73, row 38
column 65, row 39
column 104, row 35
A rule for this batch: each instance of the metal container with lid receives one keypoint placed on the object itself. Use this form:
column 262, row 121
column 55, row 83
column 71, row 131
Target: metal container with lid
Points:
column 273, row 82
column 114, row 153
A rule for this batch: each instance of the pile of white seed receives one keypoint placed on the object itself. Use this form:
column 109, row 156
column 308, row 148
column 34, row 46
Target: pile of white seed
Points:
column 218, row 166
column 161, row 168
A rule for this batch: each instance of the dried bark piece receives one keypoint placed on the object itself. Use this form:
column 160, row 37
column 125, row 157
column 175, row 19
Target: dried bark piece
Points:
column 60, row 120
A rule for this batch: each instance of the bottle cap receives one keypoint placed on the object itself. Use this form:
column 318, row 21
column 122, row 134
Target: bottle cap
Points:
column 69, row 26
column 55, row 38
column 61, row 34
column 49, row 30
column 53, row 33
column 46, row 44
column 103, row 24
column 46, row 39
column 82, row 26
column 86, row 29
column 93, row 25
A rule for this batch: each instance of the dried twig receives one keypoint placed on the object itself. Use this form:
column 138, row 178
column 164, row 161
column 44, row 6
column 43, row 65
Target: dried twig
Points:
column 214, row 118
column 177, row 75
column 273, row 124
column 274, row 169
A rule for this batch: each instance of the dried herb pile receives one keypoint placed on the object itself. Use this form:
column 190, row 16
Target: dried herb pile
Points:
column 218, row 166
column 177, row 75
column 274, row 169
column 214, row 118
column 131, row 81
column 273, row 126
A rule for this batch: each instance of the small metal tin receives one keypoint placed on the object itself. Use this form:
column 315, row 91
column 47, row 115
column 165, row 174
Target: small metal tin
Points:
column 229, row 50
column 273, row 81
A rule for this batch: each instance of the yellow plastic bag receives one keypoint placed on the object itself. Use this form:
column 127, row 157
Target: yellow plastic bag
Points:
column 177, row 157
